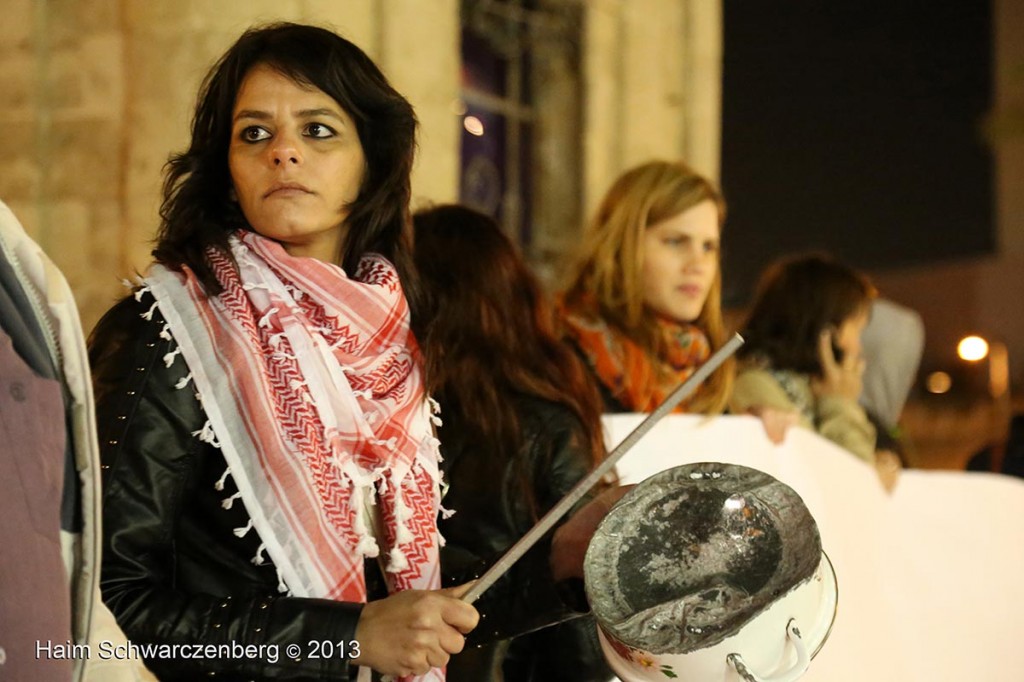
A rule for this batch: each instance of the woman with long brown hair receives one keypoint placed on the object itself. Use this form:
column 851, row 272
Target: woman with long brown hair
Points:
column 520, row 427
column 643, row 302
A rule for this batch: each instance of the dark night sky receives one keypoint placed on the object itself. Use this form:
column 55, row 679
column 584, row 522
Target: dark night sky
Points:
column 855, row 128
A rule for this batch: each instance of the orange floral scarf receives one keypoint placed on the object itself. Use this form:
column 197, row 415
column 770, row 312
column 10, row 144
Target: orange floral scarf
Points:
column 628, row 372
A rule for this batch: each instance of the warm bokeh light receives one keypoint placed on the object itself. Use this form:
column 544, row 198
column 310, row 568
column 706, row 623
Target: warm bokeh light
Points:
column 473, row 125
column 972, row 348
column 938, row 382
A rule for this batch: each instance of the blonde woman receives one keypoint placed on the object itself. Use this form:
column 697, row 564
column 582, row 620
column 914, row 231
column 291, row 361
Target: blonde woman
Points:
column 643, row 303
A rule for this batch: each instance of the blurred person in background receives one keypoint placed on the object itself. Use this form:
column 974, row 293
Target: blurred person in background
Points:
column 50, row 604
column 643, row 303
column 643, row 300
column 520, row 426
column 892, row 345
column 803, row 353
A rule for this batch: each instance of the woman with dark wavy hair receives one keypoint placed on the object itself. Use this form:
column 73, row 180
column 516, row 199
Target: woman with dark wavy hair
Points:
column 271, row 474
column 202, row 208
column 802, row 351
column 520, row 427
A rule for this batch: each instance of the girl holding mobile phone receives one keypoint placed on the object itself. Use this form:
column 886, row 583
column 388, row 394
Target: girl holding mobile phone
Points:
column 803, row 349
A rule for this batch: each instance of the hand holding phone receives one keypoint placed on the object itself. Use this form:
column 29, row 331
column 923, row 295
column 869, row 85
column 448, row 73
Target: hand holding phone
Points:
column 837, row 350
column 841, row 374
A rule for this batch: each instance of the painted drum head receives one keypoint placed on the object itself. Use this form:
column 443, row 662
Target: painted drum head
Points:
column 694, row 553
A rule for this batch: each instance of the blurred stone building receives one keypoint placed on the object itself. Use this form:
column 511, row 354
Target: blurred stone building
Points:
column 528, row 109
column 98, row 93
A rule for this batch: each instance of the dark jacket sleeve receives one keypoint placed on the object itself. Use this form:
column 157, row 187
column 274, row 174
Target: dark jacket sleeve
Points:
column 527, row 597
column 150, row 577
column 568, row 651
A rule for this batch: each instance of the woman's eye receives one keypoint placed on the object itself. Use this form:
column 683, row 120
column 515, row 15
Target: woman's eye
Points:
column 319, row 130
column 254, row 134
column 711, row 247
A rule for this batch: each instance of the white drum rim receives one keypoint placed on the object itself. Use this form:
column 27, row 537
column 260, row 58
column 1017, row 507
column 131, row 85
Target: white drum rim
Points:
column 829, row 572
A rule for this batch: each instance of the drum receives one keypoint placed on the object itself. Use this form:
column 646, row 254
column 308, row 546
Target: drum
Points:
column 710, row 572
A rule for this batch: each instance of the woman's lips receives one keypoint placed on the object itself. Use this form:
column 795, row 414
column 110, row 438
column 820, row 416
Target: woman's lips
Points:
column 690, row 290
column 287, row 189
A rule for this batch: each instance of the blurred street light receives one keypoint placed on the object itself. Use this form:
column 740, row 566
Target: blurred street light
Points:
column 999, row 370
column 972, row 348
column 473, row 125
column 939, row 382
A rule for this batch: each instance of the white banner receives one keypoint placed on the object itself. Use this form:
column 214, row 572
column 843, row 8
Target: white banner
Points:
column 931, row 577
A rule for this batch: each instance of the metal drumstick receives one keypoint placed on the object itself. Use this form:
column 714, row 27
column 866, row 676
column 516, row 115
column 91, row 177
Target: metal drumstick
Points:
column 523, row 545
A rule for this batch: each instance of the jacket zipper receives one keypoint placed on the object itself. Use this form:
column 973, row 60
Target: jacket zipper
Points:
column 38, row 307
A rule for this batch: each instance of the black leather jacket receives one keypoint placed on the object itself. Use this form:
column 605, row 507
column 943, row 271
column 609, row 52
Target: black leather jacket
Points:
column 173, row 570
column 491, row 515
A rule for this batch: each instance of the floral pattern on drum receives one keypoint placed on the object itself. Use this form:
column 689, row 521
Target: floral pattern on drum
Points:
column 638, row 657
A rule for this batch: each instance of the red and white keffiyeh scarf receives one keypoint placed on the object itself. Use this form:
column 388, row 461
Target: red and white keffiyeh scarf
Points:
column 310, row 380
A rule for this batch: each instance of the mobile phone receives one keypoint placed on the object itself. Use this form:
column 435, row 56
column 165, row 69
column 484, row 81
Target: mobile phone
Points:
column 837, row 351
